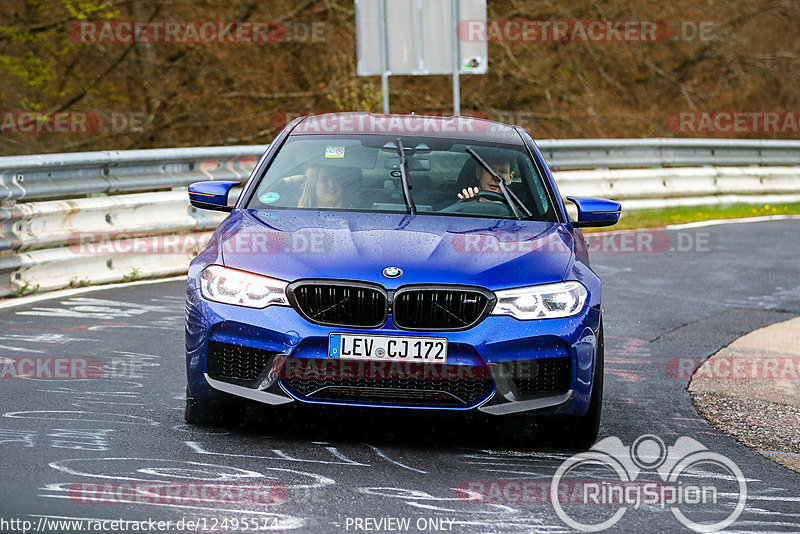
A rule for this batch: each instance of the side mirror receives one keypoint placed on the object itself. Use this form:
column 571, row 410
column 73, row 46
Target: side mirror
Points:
column 211, row 195
column 596, row 211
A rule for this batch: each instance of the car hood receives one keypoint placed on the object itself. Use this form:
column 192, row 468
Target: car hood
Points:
column 294, row 244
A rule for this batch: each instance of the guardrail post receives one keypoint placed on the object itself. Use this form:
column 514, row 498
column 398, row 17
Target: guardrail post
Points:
column 7, row 227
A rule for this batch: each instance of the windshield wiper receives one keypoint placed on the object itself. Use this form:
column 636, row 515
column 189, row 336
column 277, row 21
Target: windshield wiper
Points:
column 509, row 195
column 412, row 208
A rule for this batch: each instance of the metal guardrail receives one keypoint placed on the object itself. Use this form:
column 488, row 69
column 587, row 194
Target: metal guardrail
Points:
column 48, row 176
column 53, row 206
column 568, row 154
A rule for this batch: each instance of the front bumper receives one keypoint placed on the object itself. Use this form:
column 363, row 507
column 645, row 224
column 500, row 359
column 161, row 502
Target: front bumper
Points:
column 500, row 345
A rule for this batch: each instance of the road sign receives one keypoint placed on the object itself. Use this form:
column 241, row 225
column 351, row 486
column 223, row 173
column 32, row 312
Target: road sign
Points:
column 418, row 37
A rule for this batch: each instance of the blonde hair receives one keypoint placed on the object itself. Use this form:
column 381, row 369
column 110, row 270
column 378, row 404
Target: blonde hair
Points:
column 308, row 199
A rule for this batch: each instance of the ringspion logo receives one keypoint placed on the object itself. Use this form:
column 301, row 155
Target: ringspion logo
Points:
column 705, row 491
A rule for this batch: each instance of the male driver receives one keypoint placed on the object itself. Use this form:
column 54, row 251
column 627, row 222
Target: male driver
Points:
column 484, row 181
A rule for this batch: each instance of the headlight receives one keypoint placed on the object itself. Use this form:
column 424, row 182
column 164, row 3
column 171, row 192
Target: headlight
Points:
column 241, row 288
column 549, row 301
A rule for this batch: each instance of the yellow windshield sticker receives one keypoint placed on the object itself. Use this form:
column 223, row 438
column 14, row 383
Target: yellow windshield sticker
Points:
column 334, row 152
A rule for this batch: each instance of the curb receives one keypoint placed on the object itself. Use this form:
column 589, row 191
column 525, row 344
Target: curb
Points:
column 750, row 390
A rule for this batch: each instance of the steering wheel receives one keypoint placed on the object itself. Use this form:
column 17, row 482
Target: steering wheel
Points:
column 488, row 195
column 497, row 208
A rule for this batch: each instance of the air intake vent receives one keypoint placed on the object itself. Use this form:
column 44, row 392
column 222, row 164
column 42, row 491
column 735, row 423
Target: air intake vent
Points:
column 236, row 363
column 543, row 376
column 377, row 383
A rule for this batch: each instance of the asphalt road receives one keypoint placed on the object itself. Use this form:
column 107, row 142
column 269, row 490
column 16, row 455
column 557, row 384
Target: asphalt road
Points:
column 77, row 449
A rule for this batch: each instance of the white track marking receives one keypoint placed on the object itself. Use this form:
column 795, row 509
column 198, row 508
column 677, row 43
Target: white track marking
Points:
column 22, row 301
column 279, row 455
column 395, row 462
column 742, row 220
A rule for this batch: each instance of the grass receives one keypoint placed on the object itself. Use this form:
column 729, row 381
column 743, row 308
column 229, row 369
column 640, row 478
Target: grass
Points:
column 27, row 289
column 131, row 276
column 655, row 218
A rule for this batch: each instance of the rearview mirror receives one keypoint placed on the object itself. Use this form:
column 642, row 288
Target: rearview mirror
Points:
column 596, row 211
column 414, row 164
column 211, row 195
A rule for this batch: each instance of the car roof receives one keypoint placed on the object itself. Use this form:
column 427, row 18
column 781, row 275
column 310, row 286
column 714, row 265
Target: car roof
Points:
column 358, row 123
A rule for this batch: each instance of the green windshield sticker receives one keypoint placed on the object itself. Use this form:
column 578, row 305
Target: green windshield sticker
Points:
column 268, row 198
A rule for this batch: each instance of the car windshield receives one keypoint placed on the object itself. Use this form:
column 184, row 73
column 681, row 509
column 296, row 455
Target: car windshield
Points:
column 364, row 173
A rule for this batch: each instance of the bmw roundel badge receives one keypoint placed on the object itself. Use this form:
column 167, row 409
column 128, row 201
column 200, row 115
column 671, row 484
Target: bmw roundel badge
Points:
column 392, row 272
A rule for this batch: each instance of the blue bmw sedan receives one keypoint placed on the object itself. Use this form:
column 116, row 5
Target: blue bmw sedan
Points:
column 398, row 261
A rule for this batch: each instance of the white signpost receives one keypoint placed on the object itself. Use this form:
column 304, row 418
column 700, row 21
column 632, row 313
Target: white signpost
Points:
column 419, row 37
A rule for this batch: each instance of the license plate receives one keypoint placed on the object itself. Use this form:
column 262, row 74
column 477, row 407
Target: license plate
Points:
column 387, row 348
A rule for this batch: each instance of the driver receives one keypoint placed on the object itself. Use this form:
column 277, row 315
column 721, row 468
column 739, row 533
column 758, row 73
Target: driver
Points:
column 484, row 181
column 323, row 187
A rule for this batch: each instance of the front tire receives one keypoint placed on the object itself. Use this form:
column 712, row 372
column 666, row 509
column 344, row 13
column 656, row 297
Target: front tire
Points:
column 581, row 432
